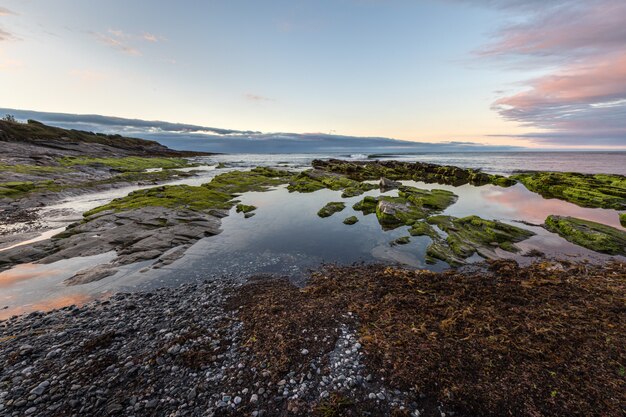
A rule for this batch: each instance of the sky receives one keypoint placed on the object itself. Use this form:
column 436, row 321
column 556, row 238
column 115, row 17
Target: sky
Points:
column 534, row 73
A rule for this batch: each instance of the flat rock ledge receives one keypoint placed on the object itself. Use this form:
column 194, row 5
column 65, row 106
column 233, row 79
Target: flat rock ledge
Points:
column 135, row 235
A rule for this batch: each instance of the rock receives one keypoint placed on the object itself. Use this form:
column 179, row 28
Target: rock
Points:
column 92, row 274
column 387, row 184
column 254, row 398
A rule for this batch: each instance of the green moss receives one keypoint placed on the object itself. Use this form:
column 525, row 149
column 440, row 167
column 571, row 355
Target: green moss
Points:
column 217, row 194
column 17, row 189
column 313, row 180
column 331, row 208
column 622, row 219
column 171, row 196
column 591, row 235
column 417, row 171
column 433, row 199
column 585, row 190
column 257, row 179
column 350, row 220
column 33, row 169
column 469, row 235
column 243, row 208
column 423, row 229
column 367, row 205
column 126, row 164
column 411, row 205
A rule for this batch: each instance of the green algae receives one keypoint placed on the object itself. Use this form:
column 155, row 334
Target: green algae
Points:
column 350, row 220
column 244, row 208
column 331, row 208
column 411, row 204
column 17, row 189
column 472, row 235
column 585, row 190
column 416, row 171
column 313, row 180
column 217, row 194
column 171, row 196
column 433, row 199
column 423, row 229
column 126, row 164
column 33, row 169
column 257, row 179
column 367, row 205
column 591, row 235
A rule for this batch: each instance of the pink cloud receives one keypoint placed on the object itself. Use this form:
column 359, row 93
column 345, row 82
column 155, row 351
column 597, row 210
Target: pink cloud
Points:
column 583, row 100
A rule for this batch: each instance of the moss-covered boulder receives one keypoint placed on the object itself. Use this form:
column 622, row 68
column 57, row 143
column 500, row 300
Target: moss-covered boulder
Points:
column 585, row 190
column 244, row 208
column 591, row 235
column 470, row 235
column 313, row 180
column 411, row 205
column 367, row 205
column 350, row 220
column 331, row 208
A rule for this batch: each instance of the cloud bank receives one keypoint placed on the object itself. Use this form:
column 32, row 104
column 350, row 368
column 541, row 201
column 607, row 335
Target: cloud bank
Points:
column 582, row 99
column 211, row 139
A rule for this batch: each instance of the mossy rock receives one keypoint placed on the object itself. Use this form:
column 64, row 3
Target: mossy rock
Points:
column 585, row 190
column 126, row 164
column 350, row 220
column 367, row 205
column 313, row 180
column 416, row 171
column 470, row 235
column 591, row 235
column 411, row 205
column 243, row 208
column 17, row 189
column 217, row 194
column 331, row 208
column 423, row 229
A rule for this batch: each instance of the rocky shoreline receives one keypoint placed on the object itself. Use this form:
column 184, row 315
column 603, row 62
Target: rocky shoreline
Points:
column 265, row 348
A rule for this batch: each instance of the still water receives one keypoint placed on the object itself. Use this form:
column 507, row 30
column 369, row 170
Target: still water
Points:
column 287, row 238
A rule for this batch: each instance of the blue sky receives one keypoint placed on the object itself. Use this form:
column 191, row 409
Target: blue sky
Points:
column 421, row 70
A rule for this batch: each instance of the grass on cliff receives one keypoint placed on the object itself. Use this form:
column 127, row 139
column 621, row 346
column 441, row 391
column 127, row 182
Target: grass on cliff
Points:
column 544, row 340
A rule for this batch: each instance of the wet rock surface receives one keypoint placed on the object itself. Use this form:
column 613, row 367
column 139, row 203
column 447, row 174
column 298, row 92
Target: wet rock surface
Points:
column 136, row 235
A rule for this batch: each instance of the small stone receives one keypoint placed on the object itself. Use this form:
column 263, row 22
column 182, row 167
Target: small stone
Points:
column 31, row 410
column 304, row 352
column 372, row 396
column 237, row 400
column 380, row 396
column 254, row 398
column 281, row 382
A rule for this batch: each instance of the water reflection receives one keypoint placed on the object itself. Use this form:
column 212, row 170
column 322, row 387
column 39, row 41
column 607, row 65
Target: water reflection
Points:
column 286, row 237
